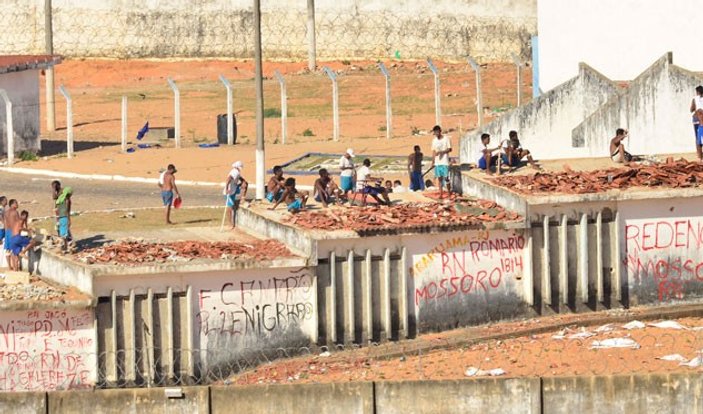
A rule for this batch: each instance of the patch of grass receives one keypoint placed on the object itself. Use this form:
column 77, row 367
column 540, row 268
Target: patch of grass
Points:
column 414, row 130
column 272, row 113
column 28, row 156
column 346, row 62
column 308, row 133
column 382, row 128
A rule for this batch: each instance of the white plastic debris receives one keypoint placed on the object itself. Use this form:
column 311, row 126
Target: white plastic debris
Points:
column 673, row 357
column 605, row 328
column 668, row 325
column 615, row 343
column 694, row 363
column 583, row 334
column 325, row 354
column 475, row 372
column 634, row 325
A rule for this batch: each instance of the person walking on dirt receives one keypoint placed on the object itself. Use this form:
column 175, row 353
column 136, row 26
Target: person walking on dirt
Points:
column 235, row 190
column 167, row 183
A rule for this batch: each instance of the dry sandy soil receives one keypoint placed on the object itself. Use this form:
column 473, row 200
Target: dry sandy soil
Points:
column 532, row 355
column 97, row 87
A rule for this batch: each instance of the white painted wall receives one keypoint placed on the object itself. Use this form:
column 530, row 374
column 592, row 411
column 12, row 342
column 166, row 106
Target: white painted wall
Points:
column 618, row 38
column 45, row 350
column 662, row 248
column 23, row 90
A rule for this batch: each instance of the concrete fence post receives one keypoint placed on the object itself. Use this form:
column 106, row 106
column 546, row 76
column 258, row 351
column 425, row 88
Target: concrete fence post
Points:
column 230, row 123
column 479, row 96
column 335, row 101
column 69, row 121
column 284, row 106
column 176, row 112
column 437, row 93
column 124, row 124
column 9, row 128
column 312, row 44
column 389, row 110
column 518, row 65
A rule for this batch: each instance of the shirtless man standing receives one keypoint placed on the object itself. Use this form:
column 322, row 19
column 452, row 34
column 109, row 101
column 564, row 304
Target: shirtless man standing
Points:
column 10, row 216
column 167, row 183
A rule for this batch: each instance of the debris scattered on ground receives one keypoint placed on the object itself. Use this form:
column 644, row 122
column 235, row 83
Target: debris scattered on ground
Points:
column 668, row 325
column 605, row 328
column 673, row 174
column 633, row 325
column 454, row 212
column 615, row 343
column 36, row 289
column 694, row 363
column 475, row 372
column 673, row 357
column 134, row 252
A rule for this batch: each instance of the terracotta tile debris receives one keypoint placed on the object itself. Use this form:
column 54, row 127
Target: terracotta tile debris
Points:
column 670, row 174
column 454, row 212
column 131, row 252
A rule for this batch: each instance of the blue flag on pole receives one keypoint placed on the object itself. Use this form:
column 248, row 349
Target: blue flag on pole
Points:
column 143, row 131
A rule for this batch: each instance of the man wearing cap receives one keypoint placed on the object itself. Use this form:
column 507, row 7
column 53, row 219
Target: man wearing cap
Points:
column 167, row 183
column 346, row 166
column 235, row 190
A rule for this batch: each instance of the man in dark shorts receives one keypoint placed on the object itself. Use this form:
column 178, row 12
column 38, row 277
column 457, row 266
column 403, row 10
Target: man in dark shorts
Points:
column 326, row 190
column 367, row 184
column 21, row 241
column 415, row 169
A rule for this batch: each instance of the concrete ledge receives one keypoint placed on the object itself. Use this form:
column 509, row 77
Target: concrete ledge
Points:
column 22, row 305
column 506, row 198
column 23, row 402
column 654, row 393
column 290, row 236
column 349, row 398
column 62, row 270
column 134, row 400
column 491, row 395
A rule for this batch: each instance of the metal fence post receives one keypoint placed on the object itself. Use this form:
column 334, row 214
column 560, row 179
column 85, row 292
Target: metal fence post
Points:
column 479, row 97
column 176, row 112
column 437, row 97
column 9, row 128
column 69, row 121
column 230, row 123
column 284, row 106
column 335, row 101
column 518, row 64
column 49, row 47
column 389, row 111
column 312, row 46
column 124, row 124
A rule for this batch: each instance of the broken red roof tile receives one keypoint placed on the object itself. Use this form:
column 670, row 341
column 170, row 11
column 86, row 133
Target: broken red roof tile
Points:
column 671, row 174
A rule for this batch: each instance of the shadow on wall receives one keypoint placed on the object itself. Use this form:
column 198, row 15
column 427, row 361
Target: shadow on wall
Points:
column 55, row 147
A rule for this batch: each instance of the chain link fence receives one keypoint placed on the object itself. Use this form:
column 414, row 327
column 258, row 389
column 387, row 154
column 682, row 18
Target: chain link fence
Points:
column 121, row 32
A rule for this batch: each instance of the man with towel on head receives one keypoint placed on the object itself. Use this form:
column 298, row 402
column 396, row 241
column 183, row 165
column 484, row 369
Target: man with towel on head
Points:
column 235, row 190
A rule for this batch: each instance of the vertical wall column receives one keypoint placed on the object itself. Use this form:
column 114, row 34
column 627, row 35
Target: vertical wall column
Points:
column 564, row 260
column 349, row 321
column 386, row 296
column 367, row 300
column 599, row 257
column 546, row 266
column 583, row 259
column 130, row 360
column 403, row 329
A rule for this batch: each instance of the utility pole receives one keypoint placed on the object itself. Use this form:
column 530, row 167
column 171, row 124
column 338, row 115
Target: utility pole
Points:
column 260, row 159
column 312, row 46
column 49, row 40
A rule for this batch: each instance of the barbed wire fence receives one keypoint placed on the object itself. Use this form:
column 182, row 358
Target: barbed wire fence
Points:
column 608, row 350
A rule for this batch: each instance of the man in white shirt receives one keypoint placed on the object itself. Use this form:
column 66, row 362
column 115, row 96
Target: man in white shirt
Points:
column 441, row 147
column 235, row 190
column 346, row 166
column 366, row 183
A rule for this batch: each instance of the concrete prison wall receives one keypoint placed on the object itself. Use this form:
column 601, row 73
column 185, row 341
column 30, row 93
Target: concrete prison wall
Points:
column 660, row 393
column 488, row 30
column 545, row 124
column 23, row 90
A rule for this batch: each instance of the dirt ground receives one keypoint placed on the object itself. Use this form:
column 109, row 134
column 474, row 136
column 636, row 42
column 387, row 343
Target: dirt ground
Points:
column 98, row 85
column 533, row 355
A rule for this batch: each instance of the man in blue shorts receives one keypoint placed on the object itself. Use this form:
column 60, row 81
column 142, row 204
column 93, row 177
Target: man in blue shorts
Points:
column 415, row 169
column 295, row 200
column 167, row 183
column 10, row 217
column 21, row 241
column 275, row 187
column 486, row 159
column 441, row 147
column 346, row 177
column 235, row 190
column 3, row 204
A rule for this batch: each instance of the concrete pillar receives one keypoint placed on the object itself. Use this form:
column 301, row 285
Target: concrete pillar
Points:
column 190, row 337
column 403, row 329
column 331, row 301
column 123, row 135
column 169, row 345
column 349, row 300
column 386, row 296
column 130, row 320
column 176, row 112
column 367, row 300
column 583, row 258
column 335, row 102
column 437, row 93
column 479, row 95
column 111, row 345
column 564, row 260
column 230, row 105
column 389, row 110
column 620, row 269
column 599, row 256
column 149, row 337
column 9, row 128
column 284, row 106
column 546, row 267
column 528, row 276
column 69, row 121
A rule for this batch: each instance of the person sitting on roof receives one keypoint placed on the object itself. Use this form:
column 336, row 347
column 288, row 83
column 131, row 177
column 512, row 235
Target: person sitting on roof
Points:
column 295, row 200
column 275, row 187
column 326, row 190
column 367, row 184
column 617, row 148
column 514, row 152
